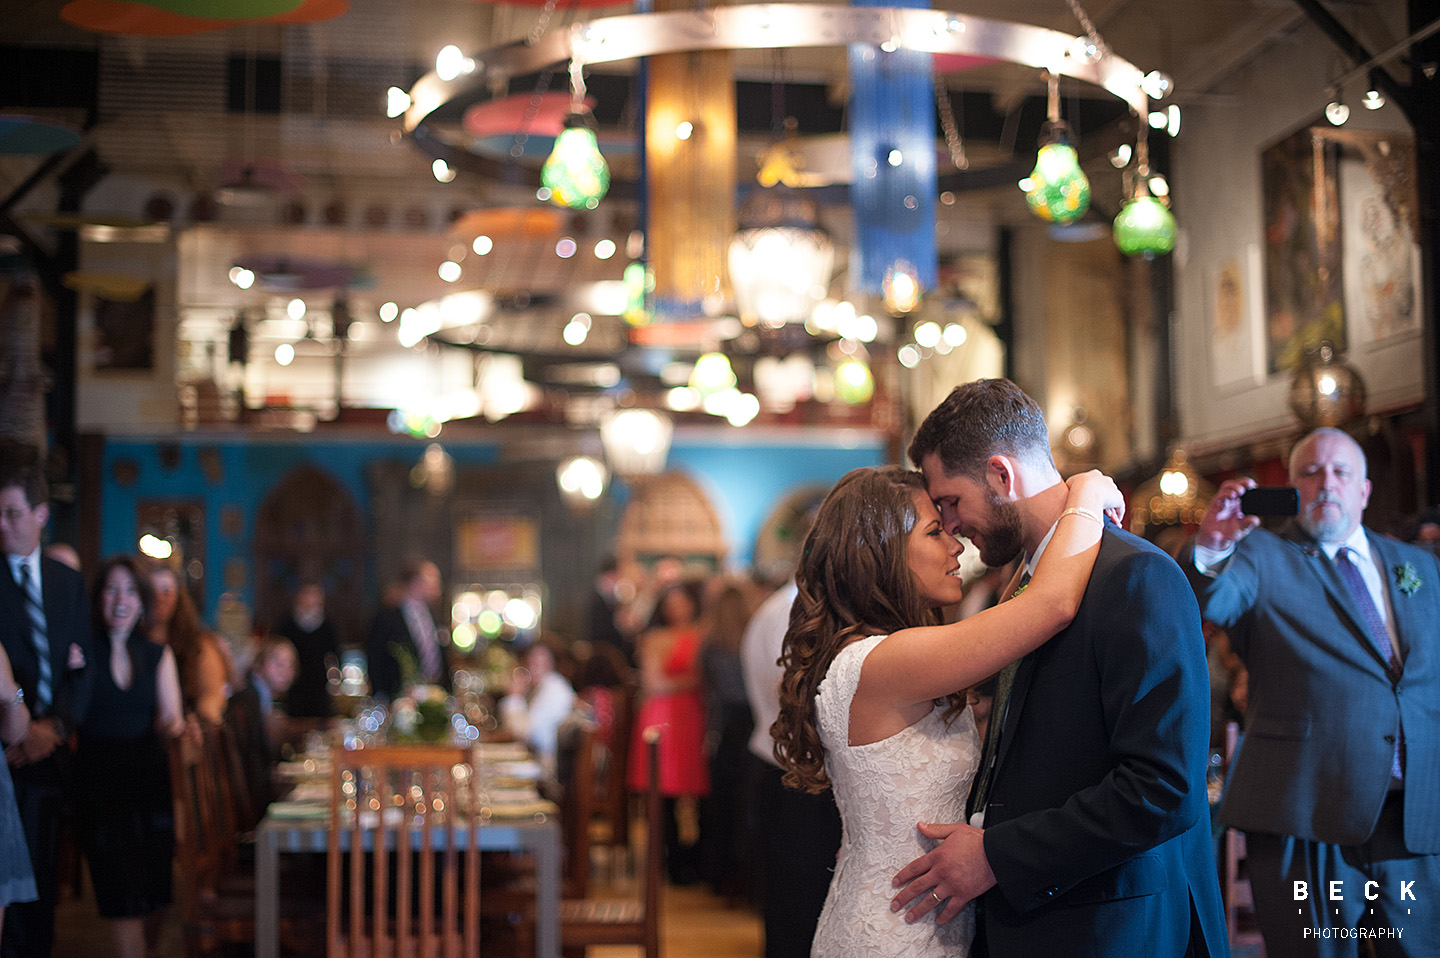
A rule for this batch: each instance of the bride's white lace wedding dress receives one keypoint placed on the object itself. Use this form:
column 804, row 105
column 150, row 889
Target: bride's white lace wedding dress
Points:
column 883, row 790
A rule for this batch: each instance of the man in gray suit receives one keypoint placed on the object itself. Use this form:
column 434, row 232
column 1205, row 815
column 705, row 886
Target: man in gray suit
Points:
column 1337, row 783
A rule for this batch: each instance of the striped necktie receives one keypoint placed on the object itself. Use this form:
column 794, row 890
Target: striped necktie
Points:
column 36, row 610
column 422, row 632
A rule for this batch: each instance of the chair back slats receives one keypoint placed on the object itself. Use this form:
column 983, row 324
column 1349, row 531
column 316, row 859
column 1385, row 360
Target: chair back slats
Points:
column 577, row 805
column 586, row 922
column 616, row 806
column 409, row 815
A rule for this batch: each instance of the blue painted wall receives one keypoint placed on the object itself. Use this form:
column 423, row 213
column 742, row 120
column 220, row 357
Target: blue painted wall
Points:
column 744, row 481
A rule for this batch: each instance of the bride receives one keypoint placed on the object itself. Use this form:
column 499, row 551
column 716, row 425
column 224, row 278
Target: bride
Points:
column 869, row 703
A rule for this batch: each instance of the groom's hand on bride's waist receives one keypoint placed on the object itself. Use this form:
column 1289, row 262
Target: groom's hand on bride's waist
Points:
column 947, row 877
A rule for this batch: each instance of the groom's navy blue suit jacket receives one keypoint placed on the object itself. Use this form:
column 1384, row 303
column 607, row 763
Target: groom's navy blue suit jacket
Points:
column 1098, row 826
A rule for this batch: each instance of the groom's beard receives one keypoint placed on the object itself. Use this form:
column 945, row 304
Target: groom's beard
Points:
column 1001, row 540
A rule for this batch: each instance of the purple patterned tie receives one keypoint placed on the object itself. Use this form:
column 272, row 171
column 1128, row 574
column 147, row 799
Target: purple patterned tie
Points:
column 1379, row 634
column 1374, row 621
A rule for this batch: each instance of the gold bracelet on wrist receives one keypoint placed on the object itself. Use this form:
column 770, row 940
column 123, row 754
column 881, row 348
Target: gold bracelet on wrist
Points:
column 1082, row 511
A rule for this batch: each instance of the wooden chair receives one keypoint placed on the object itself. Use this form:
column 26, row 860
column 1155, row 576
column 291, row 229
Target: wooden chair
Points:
column 611, row 815
column 411, row 818
column 510, row 892
column 585, row 922
column 577, row 805
column 239, row 804
column 217, row 907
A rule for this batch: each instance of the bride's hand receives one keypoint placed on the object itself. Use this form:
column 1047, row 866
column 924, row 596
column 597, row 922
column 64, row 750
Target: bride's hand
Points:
column 1097, row 492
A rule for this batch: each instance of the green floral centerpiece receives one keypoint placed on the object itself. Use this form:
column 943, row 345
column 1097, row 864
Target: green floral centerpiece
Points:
column 420, row 715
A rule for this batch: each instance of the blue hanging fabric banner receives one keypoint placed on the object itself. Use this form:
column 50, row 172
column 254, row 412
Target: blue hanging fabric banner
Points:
column 892, row 153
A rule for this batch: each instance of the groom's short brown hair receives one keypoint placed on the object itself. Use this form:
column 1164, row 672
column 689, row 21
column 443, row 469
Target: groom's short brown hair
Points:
column 978, row 420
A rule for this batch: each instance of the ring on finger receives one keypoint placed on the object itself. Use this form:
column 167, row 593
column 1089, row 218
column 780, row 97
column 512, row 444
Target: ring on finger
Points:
column 935, row 896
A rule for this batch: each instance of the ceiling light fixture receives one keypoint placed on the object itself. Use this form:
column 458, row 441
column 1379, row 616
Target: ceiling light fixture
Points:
column 1145, row 224
column 779, row 257
column 1059, row 190
column 900, row 289
column 576, row 174
column 1336, row 111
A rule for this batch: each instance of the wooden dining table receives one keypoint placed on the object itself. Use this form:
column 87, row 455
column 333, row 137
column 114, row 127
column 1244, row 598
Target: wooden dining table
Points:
column 303, row 827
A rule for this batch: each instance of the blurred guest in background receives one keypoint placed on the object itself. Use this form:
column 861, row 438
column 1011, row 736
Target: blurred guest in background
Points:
column 122, row 797
column 1422, row 529
column 604, row 606
column 45, row 631
column 251, row 716
column 318, row 649
column 63, row 553
column 669, row 654
column 538, row 700
column 202, row 658
column 408, row 630
column 17, row 878
column 799, row 833
column 728, row 725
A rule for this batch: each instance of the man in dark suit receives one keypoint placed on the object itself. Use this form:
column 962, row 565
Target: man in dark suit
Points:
column 1090, row 833
column 409, row 629
column 44, row 627
column 318, row 647
column 1338, row 778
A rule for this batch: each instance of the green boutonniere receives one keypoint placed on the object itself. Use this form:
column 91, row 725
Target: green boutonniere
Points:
column 1407, row 580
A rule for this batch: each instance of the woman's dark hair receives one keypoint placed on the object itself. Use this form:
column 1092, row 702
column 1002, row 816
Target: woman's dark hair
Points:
column 854, row 580
column 657, row 615
column 185, row 634
column 725, row 617
column 139, row 573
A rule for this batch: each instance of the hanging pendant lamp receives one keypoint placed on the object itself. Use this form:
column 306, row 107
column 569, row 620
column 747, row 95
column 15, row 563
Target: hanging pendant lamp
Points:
column 1059, row 191
column 1145, row 226
column 576, row 173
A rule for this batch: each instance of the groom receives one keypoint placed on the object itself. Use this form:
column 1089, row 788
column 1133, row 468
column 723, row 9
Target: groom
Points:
column 1089, row 832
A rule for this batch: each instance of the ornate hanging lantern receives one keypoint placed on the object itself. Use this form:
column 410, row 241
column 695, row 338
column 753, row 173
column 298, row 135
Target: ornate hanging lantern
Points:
column 1059, row 191
column 576, row 173
column 1145, row 224
column 780, row 259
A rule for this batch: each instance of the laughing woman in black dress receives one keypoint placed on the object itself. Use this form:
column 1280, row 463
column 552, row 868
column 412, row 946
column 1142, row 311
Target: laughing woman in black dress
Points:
column 123, row 798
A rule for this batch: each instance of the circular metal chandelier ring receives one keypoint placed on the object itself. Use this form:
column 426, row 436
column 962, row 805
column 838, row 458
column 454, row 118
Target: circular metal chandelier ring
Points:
column 756, row 27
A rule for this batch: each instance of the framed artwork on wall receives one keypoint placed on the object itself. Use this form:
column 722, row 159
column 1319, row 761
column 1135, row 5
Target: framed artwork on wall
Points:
column 125, row 333
column 1304, row 290
column 1230, row 359
column 1380, row 217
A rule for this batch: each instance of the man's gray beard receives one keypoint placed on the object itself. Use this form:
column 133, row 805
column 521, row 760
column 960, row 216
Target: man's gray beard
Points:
column 1324, row 530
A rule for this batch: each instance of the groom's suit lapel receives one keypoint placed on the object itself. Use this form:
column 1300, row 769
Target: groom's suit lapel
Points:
column 1018, row 693
column 1025, row 674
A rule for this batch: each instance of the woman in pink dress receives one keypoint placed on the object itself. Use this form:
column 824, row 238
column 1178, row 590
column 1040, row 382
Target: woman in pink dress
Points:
column 669, row 657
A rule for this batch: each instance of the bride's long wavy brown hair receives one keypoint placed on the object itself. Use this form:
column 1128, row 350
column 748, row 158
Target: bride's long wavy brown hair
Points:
column 854, row 580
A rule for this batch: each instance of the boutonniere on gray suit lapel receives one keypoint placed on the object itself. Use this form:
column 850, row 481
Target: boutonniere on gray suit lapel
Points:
column 1407, row 580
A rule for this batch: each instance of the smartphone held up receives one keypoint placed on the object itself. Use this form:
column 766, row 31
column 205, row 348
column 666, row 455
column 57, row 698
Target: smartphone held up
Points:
column 1268, row 501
